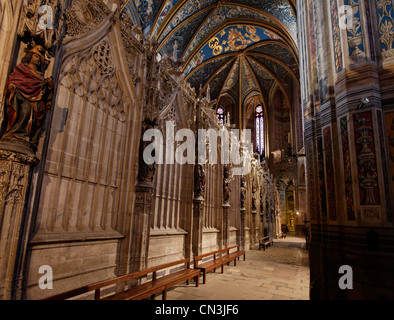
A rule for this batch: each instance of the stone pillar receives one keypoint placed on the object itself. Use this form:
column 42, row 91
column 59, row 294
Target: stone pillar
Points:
column 226, row 205
column 15, row 171
column 198, row 224
column 198, row 209
column 252, row 233
column 349, row 201
column 199, row 189
column 26, row 101
column 144, row 192
column 242, row 232
column 226, row 226
column 141, row 226
column 253, row 238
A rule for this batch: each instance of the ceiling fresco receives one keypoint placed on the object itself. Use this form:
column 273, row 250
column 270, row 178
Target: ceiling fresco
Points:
column 230, row 39
column 239, row 48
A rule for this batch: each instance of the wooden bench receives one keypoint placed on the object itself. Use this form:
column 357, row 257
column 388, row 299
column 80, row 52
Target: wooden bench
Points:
column 142, row 290
column 265, row 243
column 219, row 259
column 282, row 235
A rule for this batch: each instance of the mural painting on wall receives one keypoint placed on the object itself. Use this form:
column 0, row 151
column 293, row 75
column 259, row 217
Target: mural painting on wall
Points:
column 336, row 34
column 310, row 179
column 322, row 66
column 385, row 18
column 384, row 163
column 366, row 159
column 321, row 179
column 370, row 30
column 312, row 45
column 347, row 169
column 231, row 39
column 332, row 212
column 355, row 34
column 390, row 136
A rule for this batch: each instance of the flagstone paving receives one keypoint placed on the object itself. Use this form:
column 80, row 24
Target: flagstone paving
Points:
column 281, row 272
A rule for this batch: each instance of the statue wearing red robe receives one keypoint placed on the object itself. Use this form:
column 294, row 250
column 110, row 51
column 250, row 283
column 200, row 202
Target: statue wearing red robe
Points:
column 27, row 99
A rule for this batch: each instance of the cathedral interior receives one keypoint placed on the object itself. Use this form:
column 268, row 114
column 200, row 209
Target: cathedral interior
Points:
column 300, row 93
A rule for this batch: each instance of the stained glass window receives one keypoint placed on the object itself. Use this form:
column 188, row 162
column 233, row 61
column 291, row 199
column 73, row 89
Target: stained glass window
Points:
column 260, row 130
column 220, row 114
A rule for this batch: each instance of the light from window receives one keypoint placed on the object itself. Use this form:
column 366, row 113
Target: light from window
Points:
column 260, row 129
column 220, row 114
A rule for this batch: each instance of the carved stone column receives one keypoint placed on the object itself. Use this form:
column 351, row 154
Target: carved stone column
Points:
column 226, row 205
column 198, row 209
column 144, row 192
column 252, row 234
column 226, row 225
column 141, row 226
column 243, row 210
column 199, row 189
column 15, row 170
column 242, row 232
column 198, row 224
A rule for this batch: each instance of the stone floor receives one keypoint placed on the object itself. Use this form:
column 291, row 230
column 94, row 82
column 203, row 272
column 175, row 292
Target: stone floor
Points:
column 281, row 272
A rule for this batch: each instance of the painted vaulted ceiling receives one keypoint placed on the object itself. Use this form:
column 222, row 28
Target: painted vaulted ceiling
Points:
column 234, row 47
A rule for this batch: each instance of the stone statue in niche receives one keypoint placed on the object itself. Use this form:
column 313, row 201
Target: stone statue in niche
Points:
column 28, row 98
column 254, row 201
column 243, row 192
column 146, row 171
column 199, row 181
column 226, row 185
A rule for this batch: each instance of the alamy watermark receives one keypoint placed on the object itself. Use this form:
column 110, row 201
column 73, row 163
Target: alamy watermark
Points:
column 346, row 281
column 235, row 147
column 46, row 281
column 46, row 17
column 346, row 17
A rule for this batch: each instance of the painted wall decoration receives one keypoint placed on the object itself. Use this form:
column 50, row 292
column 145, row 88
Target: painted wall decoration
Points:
column 383, row 152
column 321, row 49
column 248, row 81
column 355, row 35
column 311, row 191
column 276, row 70
column 148, row 10
column 370, row 30
column 163, row 14
column 389, row 119
column 263, row 77
column 200, row 76
column 321, row 179
column 187, row 10
column 232, row 81
column 183, row 35
column 347, row 169
column 336, row 34
column 329, row 168
column 278, row 51
column 366, row 159
column 232, row 39
column 280, row 9
column 385, row 19
column 216, row 84
column 217, row 17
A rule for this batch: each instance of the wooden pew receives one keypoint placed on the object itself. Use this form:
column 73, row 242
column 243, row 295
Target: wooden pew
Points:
column 140, row 291
column 265, row 243
column 219, row 259
column 282, row 235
